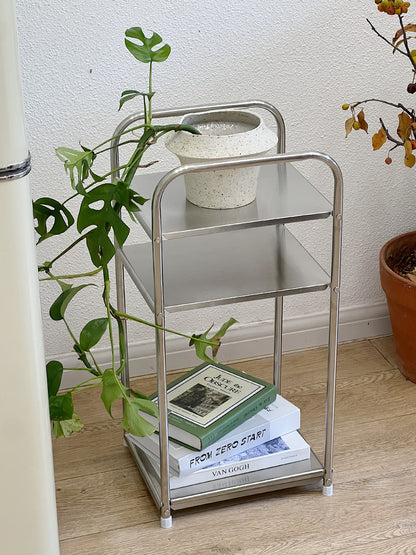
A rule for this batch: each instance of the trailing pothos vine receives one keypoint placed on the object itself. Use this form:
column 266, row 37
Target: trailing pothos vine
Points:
column 99, row 201
column 404, row 136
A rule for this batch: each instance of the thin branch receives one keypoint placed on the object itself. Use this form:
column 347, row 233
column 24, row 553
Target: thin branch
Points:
column 390, row 138
column 406, row 43
column 386, row 40
column 411, row 113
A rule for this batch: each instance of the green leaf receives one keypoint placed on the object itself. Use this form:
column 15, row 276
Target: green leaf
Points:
column 58, row 308
column 220, row 333
column 66, row 427
column 61, row 407
column 201, row 347
column 130, row 94
column 128, row 198
column 54, row 371
column 100, row 209
column 144, row 51
column 100, row 247
column 92, row 332
column 97, row 178
column 79, row 161
column 45, row 209
column 133, row 422
column 113, row 389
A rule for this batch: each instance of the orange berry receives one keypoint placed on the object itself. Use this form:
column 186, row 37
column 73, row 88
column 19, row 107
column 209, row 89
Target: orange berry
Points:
column 388, row 160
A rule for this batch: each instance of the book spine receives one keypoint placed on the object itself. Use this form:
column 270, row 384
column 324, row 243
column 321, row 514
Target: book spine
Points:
column 233, row 421
column 235, row 468
column 237, row 444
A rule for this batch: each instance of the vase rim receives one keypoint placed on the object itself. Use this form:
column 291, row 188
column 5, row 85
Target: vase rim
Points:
column 198, row 118
column 256, row 138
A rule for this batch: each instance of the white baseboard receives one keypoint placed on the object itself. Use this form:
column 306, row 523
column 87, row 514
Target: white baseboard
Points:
column 250, row 340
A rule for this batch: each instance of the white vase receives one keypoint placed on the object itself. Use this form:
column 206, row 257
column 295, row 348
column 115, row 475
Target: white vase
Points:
column 224, row 134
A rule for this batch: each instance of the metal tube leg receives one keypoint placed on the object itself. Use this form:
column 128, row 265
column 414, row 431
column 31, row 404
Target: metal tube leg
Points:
column 333, row 329
column 278, row 336
column 159, row 309
column 330, row 403
column 165, row 512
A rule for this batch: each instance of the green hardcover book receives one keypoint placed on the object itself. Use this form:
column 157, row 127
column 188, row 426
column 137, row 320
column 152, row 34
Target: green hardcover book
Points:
column 210, row 401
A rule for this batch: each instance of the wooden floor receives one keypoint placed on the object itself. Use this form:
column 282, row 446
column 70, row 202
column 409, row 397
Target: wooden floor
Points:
column 104, row 507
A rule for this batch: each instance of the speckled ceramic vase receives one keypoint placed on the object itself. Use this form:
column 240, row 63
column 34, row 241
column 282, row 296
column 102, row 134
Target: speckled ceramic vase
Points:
column 224, row 134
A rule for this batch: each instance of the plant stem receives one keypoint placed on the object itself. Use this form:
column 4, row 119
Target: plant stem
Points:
column 149, row 114
column 129, row 130
column 95, row 362
column 106, row 297
column 81, row 385
column 152, row 325
column 74, row 339
column 73, row 276
column 111, row 147
column 71, row 246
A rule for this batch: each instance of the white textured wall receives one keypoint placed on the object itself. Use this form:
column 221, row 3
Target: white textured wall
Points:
column 307, row 57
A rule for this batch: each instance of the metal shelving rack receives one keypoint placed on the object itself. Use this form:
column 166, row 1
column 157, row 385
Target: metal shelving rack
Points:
column 279, row 266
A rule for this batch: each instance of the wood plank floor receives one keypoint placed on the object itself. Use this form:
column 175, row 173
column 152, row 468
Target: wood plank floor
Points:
column 104, row 507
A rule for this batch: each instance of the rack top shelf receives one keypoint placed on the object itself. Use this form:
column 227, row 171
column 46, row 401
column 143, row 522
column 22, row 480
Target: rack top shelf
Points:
column 283, row 196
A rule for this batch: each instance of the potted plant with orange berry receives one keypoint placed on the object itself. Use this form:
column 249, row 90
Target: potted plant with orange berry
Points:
column 397, row 256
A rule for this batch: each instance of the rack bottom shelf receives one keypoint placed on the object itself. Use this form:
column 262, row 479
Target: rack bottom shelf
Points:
column 262, row 481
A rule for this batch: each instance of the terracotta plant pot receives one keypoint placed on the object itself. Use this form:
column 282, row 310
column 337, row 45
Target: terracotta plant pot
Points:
column 401, row 300
column 224, row 134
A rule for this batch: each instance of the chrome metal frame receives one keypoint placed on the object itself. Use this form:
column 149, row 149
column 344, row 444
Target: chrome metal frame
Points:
column 157, row 247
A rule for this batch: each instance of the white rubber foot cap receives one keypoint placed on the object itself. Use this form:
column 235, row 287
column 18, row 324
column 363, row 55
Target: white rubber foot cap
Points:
column 166, row 522
column 328, row 490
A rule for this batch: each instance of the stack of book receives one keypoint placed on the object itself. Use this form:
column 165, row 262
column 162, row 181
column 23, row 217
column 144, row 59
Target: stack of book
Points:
column 223, row 422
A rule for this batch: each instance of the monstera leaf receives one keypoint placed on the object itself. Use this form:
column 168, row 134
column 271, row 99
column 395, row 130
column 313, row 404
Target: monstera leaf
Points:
column 145, row 51
column 47, row 209
column 201, row 347
column 76, row 161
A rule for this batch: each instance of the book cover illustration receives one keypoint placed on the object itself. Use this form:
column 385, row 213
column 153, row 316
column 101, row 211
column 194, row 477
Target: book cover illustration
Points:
column 272, row 446
column 209, row 394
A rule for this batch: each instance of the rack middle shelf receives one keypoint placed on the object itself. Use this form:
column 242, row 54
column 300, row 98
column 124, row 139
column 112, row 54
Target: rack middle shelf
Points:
column 228, row 267
column 283, row 195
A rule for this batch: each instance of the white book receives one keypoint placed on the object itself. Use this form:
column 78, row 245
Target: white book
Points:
column 277, row 419
column 275, row 452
